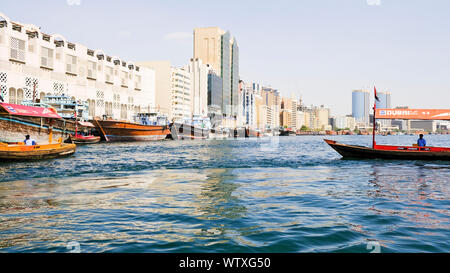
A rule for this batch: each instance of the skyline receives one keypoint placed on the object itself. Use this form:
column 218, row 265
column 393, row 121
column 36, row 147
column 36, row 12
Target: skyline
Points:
column 323, row 62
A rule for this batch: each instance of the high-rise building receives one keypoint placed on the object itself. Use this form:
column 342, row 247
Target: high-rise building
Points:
column 220, row 50
column 385, row 100
column 249, row 112
column 199, row 80
column 272, row 100
column 361, row 106
column 287, row 115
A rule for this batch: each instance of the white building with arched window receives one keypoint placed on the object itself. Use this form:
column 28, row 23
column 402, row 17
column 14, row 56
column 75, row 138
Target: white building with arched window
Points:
column 34, row 64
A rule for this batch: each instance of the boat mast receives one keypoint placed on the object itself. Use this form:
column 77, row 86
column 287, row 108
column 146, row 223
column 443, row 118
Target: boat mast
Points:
column 76, row 122
column 374, row 117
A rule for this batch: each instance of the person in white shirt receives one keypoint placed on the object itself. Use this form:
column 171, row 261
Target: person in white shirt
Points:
column 28, row 141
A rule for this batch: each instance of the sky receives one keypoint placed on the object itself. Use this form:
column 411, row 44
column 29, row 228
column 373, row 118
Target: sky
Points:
column 319, row 50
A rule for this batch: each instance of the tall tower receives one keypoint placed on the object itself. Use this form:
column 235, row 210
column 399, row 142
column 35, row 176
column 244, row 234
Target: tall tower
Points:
column 361, row 106
column 219, row 49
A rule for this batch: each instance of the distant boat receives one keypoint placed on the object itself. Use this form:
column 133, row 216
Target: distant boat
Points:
column 219, row 133
column 287, row 133
column 145, row 128
column 81, row 139
column 196, row 128
column 252, row 133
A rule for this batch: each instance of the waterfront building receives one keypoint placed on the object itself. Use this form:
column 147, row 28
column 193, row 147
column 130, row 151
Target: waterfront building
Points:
column 272, row 102
column 384, row 103
column 249, row 104
column 34, row 64
column 322, row 117
column 423, row 125
column 288, row 114
column 285, row 119
column 220, row 50
column 261, row 112
column 300, row 120
column 199, row 79
column 361, row 106
column 181, row 93
column 344, row 122
column 214, row 98
column 385, row 100
column 173, row 89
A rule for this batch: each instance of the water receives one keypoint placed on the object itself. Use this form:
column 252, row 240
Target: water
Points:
column 286, row 194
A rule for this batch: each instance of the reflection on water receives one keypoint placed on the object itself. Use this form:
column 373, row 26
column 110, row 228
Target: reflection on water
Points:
column 224, row 196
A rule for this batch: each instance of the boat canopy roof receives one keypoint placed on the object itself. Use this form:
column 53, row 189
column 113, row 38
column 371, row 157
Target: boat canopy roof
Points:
column 29, row 111
column 86, row 124
column 417, row 114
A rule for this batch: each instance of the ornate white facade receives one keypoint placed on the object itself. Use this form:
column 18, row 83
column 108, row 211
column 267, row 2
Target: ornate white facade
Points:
column 49, row 64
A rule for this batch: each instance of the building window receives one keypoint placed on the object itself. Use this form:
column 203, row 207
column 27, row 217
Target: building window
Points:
column 124, row 78
column 46, row 57
column 137, row 84
column 109, row 74
column 71, row 64
column 92, row 71
column 17, row 49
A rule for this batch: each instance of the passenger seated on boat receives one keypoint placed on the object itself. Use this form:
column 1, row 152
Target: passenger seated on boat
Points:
column 28, row 141
column 421, row 141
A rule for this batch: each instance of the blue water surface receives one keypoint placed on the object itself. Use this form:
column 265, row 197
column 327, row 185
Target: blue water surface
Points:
column 280, row 194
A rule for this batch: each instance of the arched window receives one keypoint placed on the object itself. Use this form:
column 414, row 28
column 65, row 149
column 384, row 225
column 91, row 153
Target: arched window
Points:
column 19, row 97
column 123, row 111
column 91, row 104
column 12, row 95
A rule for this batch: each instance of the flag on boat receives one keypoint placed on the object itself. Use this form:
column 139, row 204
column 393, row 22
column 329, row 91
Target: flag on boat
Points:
column 376, row 97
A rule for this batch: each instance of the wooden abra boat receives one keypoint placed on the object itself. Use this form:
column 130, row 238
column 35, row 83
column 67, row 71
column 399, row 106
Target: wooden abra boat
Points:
column 16, row 121
column 390, row 152
column 115, row 130
column 86, row 138
column 80, row 139
column 397, row 152
column 20, row 151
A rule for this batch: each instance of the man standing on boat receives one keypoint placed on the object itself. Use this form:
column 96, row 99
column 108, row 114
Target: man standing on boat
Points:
column 421, row 141
column 28, row 141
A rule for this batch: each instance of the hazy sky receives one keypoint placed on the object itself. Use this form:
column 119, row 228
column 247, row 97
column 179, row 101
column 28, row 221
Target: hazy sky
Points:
column 319, row 49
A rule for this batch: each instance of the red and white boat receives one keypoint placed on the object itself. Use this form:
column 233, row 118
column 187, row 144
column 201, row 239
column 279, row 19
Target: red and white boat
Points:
column 397, row 152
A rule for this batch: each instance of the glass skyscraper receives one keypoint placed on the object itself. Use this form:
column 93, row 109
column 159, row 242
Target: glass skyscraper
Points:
column 220, row 50
column 385, row 100
column 361, row 106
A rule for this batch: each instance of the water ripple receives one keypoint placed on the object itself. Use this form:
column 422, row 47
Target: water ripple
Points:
column 291, row 194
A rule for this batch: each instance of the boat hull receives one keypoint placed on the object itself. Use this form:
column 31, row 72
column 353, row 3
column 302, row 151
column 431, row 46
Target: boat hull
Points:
column 85, row 139
column 14, row 129
column 125, row 131
column 37, row 152
column 401, row 152
column 181, row 131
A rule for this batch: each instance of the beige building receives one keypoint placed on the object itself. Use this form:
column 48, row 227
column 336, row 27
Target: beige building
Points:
column 289, row 105
column 173, row 89
column 269, row 108
column 208, row 46
column 300, row 119
column 220, row 50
